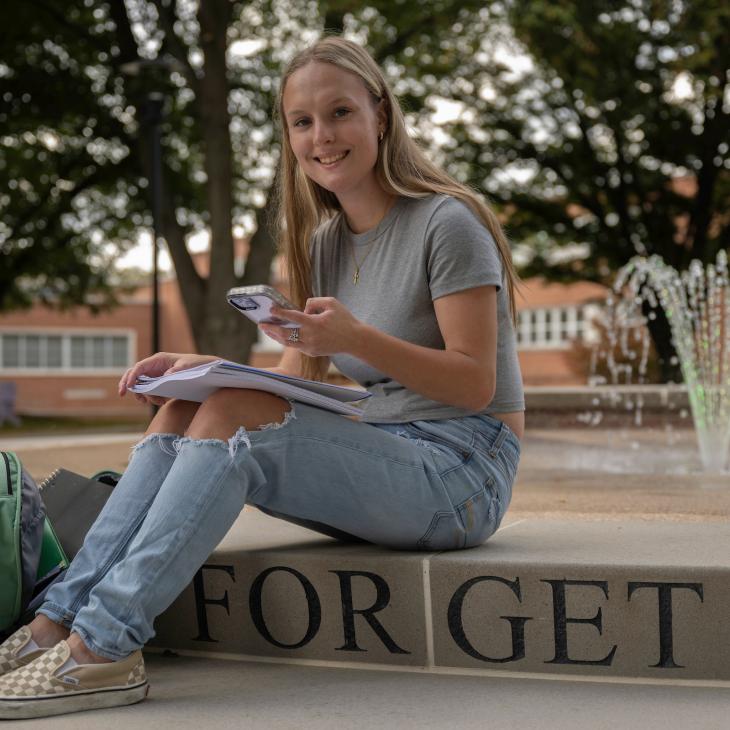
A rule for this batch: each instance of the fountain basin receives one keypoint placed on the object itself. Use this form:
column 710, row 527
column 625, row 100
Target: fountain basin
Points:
column 626, row 429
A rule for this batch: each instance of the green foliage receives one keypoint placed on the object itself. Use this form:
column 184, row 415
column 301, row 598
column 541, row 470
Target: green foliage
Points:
column 575, row 118
column 593, row 111
column 63, row 155
column 73, row 159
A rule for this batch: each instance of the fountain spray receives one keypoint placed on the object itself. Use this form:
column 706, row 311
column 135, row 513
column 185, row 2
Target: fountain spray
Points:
column 697, row 306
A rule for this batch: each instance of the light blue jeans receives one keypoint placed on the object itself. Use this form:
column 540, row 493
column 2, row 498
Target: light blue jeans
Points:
column 424, row 485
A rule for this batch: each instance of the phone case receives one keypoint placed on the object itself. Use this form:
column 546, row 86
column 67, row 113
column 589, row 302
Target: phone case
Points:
column 255, row 303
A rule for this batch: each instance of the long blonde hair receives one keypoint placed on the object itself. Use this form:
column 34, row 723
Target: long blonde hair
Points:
column 401, row 169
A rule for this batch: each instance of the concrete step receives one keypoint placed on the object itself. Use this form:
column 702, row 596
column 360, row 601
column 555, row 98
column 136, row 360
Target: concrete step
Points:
column 623, row 600
column 206, row 693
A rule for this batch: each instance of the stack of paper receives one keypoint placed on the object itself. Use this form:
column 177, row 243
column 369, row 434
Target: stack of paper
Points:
column 197, row 383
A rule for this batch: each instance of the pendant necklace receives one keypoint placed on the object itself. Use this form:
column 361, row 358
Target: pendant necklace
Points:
column 356, row 275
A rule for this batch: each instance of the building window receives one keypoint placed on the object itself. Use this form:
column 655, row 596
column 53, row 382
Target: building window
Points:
column 41, row 351
column 547, row 328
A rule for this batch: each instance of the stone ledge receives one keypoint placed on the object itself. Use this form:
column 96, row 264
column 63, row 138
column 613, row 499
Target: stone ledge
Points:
column 546, row 598
column 571, row 397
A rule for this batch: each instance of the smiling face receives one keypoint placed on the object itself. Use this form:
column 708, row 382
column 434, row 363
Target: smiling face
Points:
column 333, row 124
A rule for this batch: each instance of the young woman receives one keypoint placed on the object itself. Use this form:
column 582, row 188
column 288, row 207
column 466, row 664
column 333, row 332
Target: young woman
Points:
column 406, row 283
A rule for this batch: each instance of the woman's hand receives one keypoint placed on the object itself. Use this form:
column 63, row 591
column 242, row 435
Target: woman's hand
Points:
column 162, row 363
column 326, row 327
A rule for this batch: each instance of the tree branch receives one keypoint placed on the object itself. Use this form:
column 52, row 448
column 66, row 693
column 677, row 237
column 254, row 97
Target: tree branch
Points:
column 62, row 202
column 716, row 129
column 176, row 47
column 402, row 39
column 79, row 32
column 193, row 284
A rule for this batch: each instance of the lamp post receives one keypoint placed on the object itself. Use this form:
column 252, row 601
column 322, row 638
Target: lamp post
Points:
column 152, row 113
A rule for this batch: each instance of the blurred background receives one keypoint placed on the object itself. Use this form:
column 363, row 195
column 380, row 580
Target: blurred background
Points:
column 599, row 131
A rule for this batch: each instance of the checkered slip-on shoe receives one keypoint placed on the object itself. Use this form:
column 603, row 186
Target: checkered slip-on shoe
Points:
column 11, row 648
column 41, row 688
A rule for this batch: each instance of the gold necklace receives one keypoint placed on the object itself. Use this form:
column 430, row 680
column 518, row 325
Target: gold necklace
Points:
column 356, row 275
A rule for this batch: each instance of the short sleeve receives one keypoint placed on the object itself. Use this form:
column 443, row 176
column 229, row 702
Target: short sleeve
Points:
column 461, row 252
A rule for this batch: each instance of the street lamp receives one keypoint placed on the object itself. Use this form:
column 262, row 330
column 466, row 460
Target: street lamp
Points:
column 152, row 112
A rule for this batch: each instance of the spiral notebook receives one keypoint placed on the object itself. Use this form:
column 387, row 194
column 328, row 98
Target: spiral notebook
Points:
column 73, row 503
column 196, row 384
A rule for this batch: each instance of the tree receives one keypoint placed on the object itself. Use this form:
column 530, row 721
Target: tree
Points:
column 581, row 149
column 69, row 107
column 77, row 165
column 61, row 154
column 611, row 141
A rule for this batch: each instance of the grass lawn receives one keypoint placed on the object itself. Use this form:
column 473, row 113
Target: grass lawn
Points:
column 40, row 425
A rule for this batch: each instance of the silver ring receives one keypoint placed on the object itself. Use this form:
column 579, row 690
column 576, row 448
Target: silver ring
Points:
column 294, row 335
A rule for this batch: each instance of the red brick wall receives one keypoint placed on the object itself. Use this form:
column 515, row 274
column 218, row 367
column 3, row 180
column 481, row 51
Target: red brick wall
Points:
column 41, row 396
column 95, row 394
column 79, row 394
column 548, row 367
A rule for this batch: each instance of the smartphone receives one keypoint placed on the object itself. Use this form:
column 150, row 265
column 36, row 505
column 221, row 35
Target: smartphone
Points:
column 255, row 302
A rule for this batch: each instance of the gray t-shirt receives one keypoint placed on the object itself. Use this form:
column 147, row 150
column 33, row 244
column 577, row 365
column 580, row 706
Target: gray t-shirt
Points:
column 423, row 249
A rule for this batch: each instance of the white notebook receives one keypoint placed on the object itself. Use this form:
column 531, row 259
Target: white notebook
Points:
column 196, row 384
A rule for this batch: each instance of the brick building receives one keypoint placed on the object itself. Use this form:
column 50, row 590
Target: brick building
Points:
column 70, row 362
column 551, row 318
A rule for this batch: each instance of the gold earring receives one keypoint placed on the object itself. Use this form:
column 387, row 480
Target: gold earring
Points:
column 380, row 136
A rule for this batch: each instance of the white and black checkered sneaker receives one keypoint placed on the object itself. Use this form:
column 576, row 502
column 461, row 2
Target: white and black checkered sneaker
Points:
column 43, row 688
column 11, row 648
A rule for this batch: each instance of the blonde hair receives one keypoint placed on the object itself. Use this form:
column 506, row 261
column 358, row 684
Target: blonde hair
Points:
column 401, row 169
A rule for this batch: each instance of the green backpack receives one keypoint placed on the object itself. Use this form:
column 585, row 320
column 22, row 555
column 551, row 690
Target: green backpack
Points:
column 31, row 556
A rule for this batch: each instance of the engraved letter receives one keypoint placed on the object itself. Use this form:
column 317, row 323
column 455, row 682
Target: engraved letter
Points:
column 313, row 604
column 456, row 624
column 666, row 643
column 561, row 621
column 348, row 612
column 201, row 600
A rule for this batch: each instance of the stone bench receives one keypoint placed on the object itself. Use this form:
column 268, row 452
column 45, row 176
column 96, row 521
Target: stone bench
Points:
column 617, row 599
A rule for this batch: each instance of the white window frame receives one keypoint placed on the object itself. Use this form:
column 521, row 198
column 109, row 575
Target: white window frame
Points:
column 66, row 334
column 546, row 331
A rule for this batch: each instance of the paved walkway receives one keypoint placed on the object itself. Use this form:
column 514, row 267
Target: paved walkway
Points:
column 198, row 693
column 84, row 454
column 38, row 443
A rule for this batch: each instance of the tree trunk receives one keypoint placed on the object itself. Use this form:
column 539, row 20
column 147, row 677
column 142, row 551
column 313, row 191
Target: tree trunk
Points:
column 661, row 335
column 219, row 329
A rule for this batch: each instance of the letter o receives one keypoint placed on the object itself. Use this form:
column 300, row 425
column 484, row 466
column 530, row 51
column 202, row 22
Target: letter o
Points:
column 313, row 604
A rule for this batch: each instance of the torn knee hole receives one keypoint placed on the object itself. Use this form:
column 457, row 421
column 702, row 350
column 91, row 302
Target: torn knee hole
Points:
column 165, row 441
column 242, row 435
column 239, row 437
column 288, row 416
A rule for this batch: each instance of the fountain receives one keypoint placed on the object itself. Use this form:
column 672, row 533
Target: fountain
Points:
column 697, row 306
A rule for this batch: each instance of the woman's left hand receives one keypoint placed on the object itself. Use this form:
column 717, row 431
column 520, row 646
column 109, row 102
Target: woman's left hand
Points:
column 326, row 327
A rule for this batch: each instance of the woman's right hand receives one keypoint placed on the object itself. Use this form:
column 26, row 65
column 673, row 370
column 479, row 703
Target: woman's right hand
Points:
column 162, row 363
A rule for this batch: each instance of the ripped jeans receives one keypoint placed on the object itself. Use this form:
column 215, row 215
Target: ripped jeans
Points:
column 423, row 485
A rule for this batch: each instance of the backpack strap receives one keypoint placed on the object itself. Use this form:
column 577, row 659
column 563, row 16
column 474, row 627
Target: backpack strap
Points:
column 11, row 569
